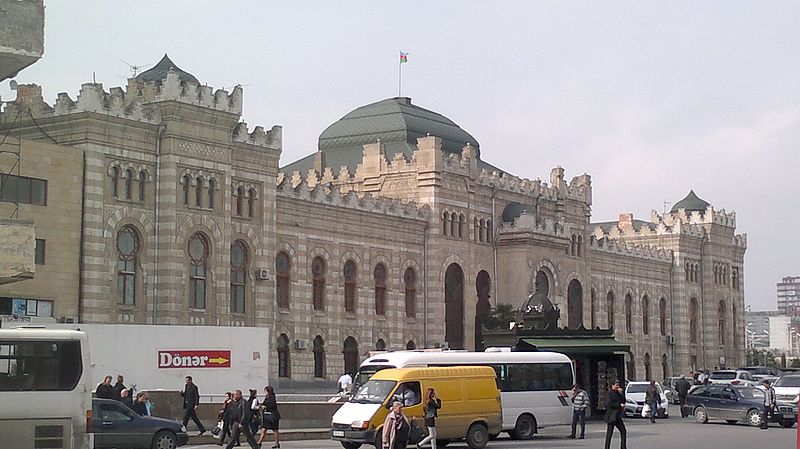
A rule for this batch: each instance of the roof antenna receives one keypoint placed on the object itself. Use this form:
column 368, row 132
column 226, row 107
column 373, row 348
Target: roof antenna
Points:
column 134, row 68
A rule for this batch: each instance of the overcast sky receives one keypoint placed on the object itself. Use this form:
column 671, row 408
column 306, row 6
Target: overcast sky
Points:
column 650, row 98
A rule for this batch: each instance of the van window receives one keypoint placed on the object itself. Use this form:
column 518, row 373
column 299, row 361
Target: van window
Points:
column 408, row 393
column 40, row 365
column 534, row 377
column 373, row 392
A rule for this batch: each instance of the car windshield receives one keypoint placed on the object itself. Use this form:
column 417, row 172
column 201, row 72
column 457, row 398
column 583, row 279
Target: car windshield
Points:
column 751, row 393
column 637, row 388
column 723, row 375
column 365, row 372
column 788, row 381
column 373, row 392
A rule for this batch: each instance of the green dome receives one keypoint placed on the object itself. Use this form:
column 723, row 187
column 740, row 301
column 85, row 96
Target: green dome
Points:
column 159, row 72
column 690, row 203
column 512, row 211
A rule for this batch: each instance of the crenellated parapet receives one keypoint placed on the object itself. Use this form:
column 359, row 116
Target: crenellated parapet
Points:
column 621, row 248
column 579, row 188
column 709, row 216
column 740, row 240
column 312, row 188
column 258, row 137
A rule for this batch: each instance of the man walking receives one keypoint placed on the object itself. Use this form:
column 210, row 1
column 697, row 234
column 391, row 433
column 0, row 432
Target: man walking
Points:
column 580, row 400
column 344, row 383
column 191, row 400
column 653, row 399
column 682, row 388
column 615, row 400
column 769, row 404
column 240, row 416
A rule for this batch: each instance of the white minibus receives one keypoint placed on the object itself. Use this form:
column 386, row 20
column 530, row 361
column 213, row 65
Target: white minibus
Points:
column 45, row 389
column 534, row 386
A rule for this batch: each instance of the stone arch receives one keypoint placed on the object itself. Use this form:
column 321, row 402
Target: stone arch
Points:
column 288, row 248
column 351, row 354
column 574, row 304
column 550, row 270
column 648, row 370
column 387, row 262
column 318, row 349
column 454, row 284
column 194, row 223
column 483, row 287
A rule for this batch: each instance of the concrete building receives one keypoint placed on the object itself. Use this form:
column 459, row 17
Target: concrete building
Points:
column 21, row 35
column 396, row 233
column 789, row 296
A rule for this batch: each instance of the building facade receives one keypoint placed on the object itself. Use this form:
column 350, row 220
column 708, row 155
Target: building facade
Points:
column 394, row 234
column 789, row 296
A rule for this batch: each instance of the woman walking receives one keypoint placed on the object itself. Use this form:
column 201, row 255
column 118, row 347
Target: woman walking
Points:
column 270, row 418
column 224, row 415
column 396, row 428
column 615, row 401
column 431, row 408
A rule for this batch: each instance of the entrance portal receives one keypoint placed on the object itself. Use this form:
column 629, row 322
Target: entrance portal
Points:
column 454, row 307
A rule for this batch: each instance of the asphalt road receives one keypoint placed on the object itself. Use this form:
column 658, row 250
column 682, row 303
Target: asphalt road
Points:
column 672, row 433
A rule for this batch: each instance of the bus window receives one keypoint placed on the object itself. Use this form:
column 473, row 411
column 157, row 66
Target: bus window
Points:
column 534, row 377
column 40, row 365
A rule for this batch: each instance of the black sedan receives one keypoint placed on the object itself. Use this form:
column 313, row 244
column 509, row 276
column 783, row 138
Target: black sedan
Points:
column 734, row 405
column 116, row 426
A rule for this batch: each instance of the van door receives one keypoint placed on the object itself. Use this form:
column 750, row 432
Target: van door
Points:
column 410, row 395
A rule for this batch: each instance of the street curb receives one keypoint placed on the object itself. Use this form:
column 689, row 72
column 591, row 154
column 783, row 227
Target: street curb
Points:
column 286, row 435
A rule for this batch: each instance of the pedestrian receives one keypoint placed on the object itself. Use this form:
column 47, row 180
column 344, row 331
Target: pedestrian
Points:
column 580, row 401
column 270, row 417
column 255, row 411
column 653, row 399
column 225, row 414
column 140, row 404
column 682, row 387
column 239, row 416
column 431, row 412
column 769, row 404
column 105, row 390
column 345, row 383
column 118, row 387
column 396, row 428
column 191, row 401
column 125, row 397
column 615, row 401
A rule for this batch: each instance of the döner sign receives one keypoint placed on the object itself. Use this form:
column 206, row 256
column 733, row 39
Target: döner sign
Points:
column 194, row 359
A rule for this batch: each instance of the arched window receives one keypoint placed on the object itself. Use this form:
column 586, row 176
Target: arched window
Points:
column 628, row 314
column 198, row 267
column 187, row 181
column 251, row 202
column 453, row 224
column 734, row 326
column 283, row 356
column 593, row 309
column 198, row 192
column 128, row 184
column 351, row 358
column 238, row 276
column 240, row 201
column 648, row 373
column 687, row 269
column 445, row 223
column 410, row 282
column 115, row 182
column 645, row 315
column 575, row 304
column 212, row 188
column 482, row 230
column 574, row 245
column 283, row 279
column 721, row 311
column 662, row 315
column 610, row 309
column 410, row 346
column 475, row 230
column 489, row 231
column 127, row 252
column 319, row 357
column 631, row 367
column 380, row 289
column 318, row 275
column 462, row 222
column 350, row 276
column 142, row 184
column 693, row 320
column 580, row 245
column 380, row 345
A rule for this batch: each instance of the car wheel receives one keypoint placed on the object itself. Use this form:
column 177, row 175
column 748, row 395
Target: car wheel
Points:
column 350, row 445
column 477, row 436
column 165, row 439
column 754, row 418
column 701, row 415
column 525, row 428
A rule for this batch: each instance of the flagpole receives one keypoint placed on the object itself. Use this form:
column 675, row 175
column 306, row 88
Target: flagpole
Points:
column 400, row 81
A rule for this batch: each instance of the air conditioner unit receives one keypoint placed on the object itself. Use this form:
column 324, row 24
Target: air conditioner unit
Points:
column 262, row 274
column 68, row 320
column 301, row 344
column 670, row 340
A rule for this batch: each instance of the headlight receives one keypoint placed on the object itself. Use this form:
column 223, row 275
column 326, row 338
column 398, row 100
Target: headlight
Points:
column 359, row 424
column 183, row 428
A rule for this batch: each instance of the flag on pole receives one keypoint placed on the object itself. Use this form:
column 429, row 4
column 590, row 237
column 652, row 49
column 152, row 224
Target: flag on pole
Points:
column 403, row 57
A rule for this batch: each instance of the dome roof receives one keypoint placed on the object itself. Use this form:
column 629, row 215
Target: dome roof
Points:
column 159, row 72
column 393, row 120
column 690, row 203
column 512, row 211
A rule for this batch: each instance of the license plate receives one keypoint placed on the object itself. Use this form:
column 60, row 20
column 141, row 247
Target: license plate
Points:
column 338, row 433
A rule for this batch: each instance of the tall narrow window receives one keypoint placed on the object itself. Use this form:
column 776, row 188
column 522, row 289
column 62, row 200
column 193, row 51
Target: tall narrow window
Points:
column 410, row 281
column 628, row 314
column 238, row 276
column 693, row 320
column 198, row 270
column 40, row 252
column 593, row 309
column 646, row 315
column 610, row 309
column 187, row 184
column 482, row 230
column 734, row 326
column 350, row 285
column 445, row 223
column 462, row 222
column 318, row 275
column 489, row 231
column 127, row 251
column 283, row 279
column 380, row 345
column 240, row 201
column 128, row 184
column 115, row 182
column 662, row 315
column 453, row 224
column 198, row 192
column 648, row 373
column 380, row 289
column 283, row 356
column 212, row 189
column 142, row 184
column 251, row 202
column 319, row 357
column 475, row 230
column 721, row 311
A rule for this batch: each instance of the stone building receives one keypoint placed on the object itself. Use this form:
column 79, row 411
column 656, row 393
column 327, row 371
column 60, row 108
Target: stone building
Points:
column 394, row 234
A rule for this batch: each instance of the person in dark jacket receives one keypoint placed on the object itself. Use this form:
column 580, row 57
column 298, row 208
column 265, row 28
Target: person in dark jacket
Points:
column 225, row 415
column 682, row 388
column 239, row 417
column 105, row 390
column 615, row 401
column 118, row 387
column 653, row 399
column 270, row 417
column 431, row 408
column 191, row 400
column 140, row 404
column 125, row 397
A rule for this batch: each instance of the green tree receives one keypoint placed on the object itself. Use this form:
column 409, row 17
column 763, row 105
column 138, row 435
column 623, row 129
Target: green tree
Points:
column 796, row 363
column 500, row 316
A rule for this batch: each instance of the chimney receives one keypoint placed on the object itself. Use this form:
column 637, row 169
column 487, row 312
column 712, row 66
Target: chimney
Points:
column 319, row 162
column 29, row 94
column 626, row 221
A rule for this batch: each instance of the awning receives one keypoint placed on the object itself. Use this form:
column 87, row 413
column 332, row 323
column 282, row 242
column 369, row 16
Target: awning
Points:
column 576, row 346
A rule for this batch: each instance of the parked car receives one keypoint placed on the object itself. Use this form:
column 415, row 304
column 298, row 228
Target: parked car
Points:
column 116, row 426
column 787, row 390
column 734, row 404
column 732, row 377
column 760, row 378
column 635, row 393
column 669, row 389
column 761, row 370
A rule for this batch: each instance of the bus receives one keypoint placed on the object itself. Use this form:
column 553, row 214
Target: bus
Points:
column 45, row 389
column 534, row 386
